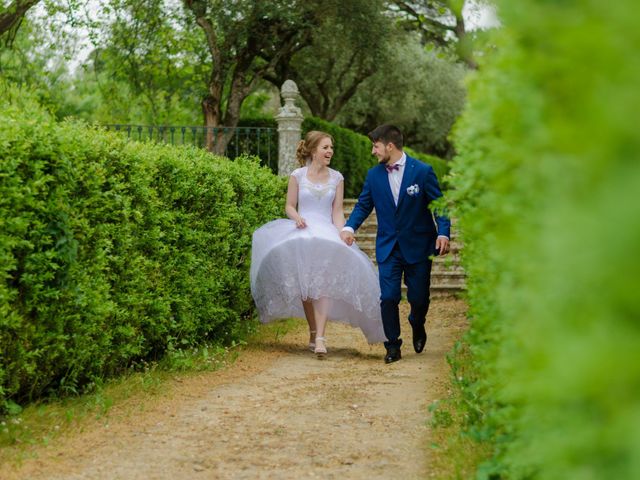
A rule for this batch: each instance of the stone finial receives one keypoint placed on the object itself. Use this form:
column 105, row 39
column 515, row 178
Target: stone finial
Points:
column 289, row 120
column 289, row 93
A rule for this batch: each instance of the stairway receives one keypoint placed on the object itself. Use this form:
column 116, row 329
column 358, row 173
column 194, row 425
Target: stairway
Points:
column 447, row 274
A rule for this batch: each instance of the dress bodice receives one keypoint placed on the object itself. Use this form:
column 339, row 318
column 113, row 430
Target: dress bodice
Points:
column 316, row 200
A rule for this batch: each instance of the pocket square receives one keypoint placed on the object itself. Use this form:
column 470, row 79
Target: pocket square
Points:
column 413, row 190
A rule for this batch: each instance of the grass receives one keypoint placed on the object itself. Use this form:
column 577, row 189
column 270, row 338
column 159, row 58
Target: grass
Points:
column 456, row 454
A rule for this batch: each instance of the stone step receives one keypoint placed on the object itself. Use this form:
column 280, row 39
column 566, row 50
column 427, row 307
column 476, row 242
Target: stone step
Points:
column 455, row 270
column 452, row 258
column 370, row 226
column 367, row 241
column 442, row 288
column 457, row 273
column 439, row 278
column 446, row 290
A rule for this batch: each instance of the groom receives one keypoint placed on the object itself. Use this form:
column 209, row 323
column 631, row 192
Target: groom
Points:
column 401, row 189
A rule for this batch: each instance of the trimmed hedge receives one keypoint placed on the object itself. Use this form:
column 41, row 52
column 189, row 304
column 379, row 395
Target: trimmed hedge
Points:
column 113, row 252
column 352, row 155
column 546, row 190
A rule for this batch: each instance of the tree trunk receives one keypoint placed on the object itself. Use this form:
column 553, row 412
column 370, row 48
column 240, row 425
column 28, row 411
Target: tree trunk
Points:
column 464, row 48
column 217, row 137
column 12, row 15
column 220, row 128
column 211, row 120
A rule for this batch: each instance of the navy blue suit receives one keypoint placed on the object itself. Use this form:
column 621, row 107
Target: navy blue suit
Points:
column 405, row 240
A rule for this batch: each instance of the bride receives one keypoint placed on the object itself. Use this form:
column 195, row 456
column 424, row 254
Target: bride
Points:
column 301, row 266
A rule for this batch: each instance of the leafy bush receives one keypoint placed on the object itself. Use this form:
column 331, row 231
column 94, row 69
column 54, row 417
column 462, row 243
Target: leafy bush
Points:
column 545, row 187
column 440, row 166
column 352, row 155
column 114, row 251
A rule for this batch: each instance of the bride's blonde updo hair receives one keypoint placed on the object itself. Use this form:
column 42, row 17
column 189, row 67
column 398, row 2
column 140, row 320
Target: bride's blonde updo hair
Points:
column 307, row 146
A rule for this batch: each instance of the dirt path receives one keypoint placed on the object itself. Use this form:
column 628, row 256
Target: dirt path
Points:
column 277, row 412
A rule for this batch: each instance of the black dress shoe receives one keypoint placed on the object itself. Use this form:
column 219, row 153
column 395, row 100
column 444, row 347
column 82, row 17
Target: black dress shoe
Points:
column 419, row 338
column 393, row 355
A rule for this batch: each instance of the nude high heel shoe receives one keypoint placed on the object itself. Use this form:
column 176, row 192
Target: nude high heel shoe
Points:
column 321, row 349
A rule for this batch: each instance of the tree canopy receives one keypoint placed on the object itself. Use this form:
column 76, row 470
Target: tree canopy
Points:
column 197, row 62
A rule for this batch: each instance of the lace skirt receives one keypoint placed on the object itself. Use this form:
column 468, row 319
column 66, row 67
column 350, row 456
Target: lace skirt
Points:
column 290, row 264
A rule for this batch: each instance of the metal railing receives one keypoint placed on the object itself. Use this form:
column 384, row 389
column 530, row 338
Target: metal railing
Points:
column 259, row 141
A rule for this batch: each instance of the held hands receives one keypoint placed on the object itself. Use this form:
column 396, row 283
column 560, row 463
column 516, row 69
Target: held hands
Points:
column 442, row 245
column 347, row 237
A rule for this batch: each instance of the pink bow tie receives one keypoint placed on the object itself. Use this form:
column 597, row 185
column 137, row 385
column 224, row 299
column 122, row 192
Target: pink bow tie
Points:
column 391, row 168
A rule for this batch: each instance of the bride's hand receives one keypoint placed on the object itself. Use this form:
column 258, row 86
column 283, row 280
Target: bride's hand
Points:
column 347, row 237
column 301, row 223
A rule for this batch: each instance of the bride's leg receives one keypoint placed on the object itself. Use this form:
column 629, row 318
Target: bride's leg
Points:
column 311, row 320
column 320, row 312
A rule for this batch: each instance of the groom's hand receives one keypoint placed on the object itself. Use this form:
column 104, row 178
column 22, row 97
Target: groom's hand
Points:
column 347, row 237
column 442, row 245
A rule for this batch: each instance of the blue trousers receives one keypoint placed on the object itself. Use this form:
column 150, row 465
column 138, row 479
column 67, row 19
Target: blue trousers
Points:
column 417, row 278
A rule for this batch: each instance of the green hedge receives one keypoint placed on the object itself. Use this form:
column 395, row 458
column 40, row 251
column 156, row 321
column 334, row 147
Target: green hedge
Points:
column 352, row 155
column 112, row 251
column 546, row 189
column 440, row 166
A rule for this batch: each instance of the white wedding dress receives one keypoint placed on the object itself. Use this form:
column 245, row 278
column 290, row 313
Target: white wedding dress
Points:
column 289, row 264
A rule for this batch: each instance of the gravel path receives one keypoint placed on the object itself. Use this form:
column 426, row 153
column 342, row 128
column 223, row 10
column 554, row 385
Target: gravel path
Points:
column 277, row 412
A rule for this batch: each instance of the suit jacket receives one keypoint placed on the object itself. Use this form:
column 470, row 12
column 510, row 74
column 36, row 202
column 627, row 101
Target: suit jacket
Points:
column 410, row 224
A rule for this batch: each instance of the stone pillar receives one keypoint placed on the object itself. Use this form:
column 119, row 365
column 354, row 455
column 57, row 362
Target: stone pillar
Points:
column 289, row 120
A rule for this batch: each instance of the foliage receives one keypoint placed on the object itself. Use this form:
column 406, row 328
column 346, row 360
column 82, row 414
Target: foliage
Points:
column 352, row 155
column 150, row 67
column 440, row 23
column 545, row 189
column 347, row 46
column 112, row 252
column 457, row 448
column 440, row 166
column 417, row 90
column 37, row 58
column 151, row 64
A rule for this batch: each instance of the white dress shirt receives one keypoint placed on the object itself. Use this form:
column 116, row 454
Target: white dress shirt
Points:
column 395, row 178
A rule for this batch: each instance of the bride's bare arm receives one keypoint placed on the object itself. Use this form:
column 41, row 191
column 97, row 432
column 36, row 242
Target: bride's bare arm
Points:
column 292, row 202
column 338, row 208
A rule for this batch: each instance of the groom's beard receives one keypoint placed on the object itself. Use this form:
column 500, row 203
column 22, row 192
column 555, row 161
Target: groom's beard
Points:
column 384, row 160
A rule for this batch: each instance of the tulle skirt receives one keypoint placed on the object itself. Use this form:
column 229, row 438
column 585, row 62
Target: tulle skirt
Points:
column 289, row 264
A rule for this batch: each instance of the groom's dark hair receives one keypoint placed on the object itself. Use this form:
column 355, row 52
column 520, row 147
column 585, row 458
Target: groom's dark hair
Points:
column 387, row 134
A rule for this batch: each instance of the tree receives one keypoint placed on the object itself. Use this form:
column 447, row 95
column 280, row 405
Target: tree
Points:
column 418, row 90
column 439, row 22
column 11, row 16
column 246, row 40
column 347, row 47
column 37, row 58
column 148, row 66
